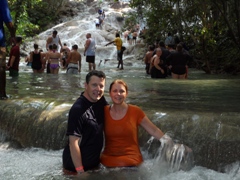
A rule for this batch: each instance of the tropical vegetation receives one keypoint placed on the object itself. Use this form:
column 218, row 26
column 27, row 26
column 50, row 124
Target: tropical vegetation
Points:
column 210, row 28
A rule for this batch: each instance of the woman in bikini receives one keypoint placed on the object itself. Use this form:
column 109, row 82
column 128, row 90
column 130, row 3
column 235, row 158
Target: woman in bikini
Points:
column 54, row 58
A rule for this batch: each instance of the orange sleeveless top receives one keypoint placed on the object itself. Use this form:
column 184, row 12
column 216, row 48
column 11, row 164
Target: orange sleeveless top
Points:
column 121, row 138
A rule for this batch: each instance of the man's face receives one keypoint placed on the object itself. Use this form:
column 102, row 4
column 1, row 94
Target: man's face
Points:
column 94, row 89
column 54, row 35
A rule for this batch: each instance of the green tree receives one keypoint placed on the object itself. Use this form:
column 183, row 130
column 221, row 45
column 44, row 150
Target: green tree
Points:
column 32, row 16
column 210, row 27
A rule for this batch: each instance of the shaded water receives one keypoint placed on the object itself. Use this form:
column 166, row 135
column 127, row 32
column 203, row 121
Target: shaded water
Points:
column 202, row 104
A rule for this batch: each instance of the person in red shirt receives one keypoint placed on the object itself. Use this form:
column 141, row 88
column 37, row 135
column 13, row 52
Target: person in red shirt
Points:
column 121, row 129
column 14, row 59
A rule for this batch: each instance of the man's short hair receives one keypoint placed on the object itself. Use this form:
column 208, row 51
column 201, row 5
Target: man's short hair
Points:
column 75, row 46
column 117, row 35
column 89, row 34
column 55, row 32
column 99, row 74
column 18, row 39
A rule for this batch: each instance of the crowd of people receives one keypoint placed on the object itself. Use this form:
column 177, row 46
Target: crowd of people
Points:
column 56, row 56
column 163, row 60
column 131, row 35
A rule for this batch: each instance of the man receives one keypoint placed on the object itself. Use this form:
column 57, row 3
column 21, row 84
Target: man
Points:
column 54, row 39
column 148, row 57
column 118, row 43
column 89, row 52
column 14, row 59
column 74, row 61
column 5, row 17
column 85, row 126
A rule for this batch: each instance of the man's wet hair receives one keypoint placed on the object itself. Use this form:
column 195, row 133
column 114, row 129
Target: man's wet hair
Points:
column 99, row 74
column 18, row 39
column 75, row 46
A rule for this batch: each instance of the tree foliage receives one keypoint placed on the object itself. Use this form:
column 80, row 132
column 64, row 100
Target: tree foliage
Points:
column 211, row 28
column 32, row 16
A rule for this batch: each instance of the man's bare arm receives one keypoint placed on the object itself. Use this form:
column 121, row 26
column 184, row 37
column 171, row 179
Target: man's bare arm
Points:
column 87, row 45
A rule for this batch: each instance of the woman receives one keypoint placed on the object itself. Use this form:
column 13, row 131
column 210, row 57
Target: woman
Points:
column 157, row 67
column 36, row 59
column 54, row 58
column 121, row 129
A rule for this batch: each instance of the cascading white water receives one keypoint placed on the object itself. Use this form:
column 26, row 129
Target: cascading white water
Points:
column 74, row 32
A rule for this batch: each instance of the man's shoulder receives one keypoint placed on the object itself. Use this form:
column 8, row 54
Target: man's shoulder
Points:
column 80, row 104
column 49, row 39
column 88, row 40
column 75, row 53
column 15, row 48
column 149, row 52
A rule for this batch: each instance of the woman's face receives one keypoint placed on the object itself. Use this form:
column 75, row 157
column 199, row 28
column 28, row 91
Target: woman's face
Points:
column 118, row 93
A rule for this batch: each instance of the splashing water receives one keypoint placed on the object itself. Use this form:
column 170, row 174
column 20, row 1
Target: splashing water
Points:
column 173, row 156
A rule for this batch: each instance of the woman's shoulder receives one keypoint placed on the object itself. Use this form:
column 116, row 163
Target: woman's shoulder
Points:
column 134, row 107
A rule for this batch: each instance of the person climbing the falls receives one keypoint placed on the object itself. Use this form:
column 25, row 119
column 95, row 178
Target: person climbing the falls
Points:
column 118, row 42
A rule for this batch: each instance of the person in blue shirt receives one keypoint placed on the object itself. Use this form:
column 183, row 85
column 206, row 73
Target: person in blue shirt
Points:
column 5, row 17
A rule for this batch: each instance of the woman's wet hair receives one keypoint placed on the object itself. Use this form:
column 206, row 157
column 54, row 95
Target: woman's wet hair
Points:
column 54, row 46
column 118, row 81
column 35, row 46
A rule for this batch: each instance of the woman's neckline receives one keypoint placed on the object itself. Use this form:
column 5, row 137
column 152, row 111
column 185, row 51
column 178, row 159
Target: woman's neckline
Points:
column 118, row 115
